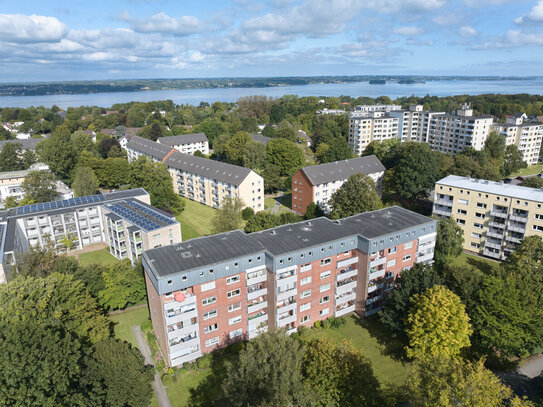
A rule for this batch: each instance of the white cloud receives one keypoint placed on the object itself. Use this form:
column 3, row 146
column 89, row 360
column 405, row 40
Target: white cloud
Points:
column 467, row 31
column 410, row 31
column 164, row 24
column 484, row 3
column 513, row 39
column 394, row 6
column 21, row 28
column 534, row 15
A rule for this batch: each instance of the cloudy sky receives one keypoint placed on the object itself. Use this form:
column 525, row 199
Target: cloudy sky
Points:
column 111, row 39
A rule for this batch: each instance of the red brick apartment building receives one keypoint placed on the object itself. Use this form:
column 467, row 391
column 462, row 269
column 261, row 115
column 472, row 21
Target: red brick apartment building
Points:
column 317, row 183
column 208, row 292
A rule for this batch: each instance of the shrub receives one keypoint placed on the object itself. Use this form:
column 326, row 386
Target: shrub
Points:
column 318, row 324
column 326, row 324
column 204, row 362
column 167, row 380
column 146, row 325
column 337, row 322
column 171, row 372
column 247, row 213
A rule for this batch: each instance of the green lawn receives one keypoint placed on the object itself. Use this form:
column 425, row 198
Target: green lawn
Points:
column 196, row 220
column 286, row 202
column 269, row 203
column 376, row 344
column 531, row 170
column 179, row 393
column 124, row 321
column 102, row 256
column 483, row 264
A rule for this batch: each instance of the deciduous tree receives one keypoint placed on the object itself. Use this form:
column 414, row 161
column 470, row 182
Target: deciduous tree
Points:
column 40, row 186
column 449, row 239
column 356, row 195
column 228, row 217
column 123, row 286
column 85, row 182
column 286, row 155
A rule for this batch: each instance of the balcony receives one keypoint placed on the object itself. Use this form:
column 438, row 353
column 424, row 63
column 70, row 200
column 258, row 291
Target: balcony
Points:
column 286, row 305
column 257, row 278
column 496, row 225
column 347, row 262
column 254, row 333
column 494, row 244
column 374, row 273
column 346, row 285
column 286, row 294
column 287, row 280
column 344, row 311
column 182, row 329
column 513, row 239
column 346, row 273
column 256, row 291
column 516, row 228
column 370, row 301
column 423, row 257
column 255, row 320
column 184, row 354
column 517, row 218
column 491, row 254
column 285, row 320
column 345, row 297
column 378, row 261
column 256, row 306
column 443, row 202
column 498, row 214
column 374, row 287
column 442, row 212
column 495, row 235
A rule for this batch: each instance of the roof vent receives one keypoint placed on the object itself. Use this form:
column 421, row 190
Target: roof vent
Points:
column 308, row 223
column 273, row 232
column 198, row 255
column 186, row 255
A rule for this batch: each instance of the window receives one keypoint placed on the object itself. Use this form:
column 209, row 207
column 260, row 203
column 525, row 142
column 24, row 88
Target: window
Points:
column 237, row 332
column 481, row 205
column 324, row 262
column 305, row 294
column 476, row 235
column 408, row 245
column 324, row 299
column 305, row 318
column 208, row 286
column 538, row 228
column 391, row 263
column 210, row 314
column 212, row 341
column 461, row 221
column 233, row 293
column 538, row 216
column 324, row 287
column 407, row 257
column 234, row 320
column 325, row 274
column 461, row 211
column 305, row 280
column 235, row 306
column 324, row 311
column 463, row 201
column 170, row 282
column 479, row 215
column 209, row 300
column 233, row 279
column 476, row 245
column 392, row 250
column 478, row 225
column 211, row 328
column 305, row 307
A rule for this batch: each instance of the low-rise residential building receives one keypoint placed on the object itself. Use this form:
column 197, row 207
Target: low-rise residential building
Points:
column 201, row 179
column 317, row 183
column 28, row 144
column 211, row 291
column 527, row 136
column 330, row 112
column 124, row 220
column 373, row 126
column 187, row 143
column 494, row 216
column 259, row 138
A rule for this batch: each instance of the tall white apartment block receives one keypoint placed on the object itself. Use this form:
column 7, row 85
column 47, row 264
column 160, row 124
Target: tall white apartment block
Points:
column 376, row 108
column 525, row 135
column 452, row 133
column 409, row 122
column 365, row 128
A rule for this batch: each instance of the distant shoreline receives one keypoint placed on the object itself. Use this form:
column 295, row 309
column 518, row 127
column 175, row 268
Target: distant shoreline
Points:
column 139, row 85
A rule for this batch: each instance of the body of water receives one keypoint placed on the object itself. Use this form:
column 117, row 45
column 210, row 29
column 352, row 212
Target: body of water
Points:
column 356, row 89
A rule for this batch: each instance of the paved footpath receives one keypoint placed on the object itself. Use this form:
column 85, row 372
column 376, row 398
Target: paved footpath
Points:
column 533, row 367
column 162, row 396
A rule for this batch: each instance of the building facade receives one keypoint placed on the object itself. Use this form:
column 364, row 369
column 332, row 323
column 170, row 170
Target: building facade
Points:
column 494, row 216
column 187, row 143
column 201, row 179
column 211, row 291
column 124, row 220
column 317, row 183
column 409, row 123
column 527, row 136
column 373, row 126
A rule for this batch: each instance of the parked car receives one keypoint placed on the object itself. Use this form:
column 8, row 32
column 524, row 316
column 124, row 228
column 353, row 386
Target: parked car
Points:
column 507, row 180
column 520, row 178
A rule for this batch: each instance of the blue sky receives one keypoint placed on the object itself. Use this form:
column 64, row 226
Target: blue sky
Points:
column 76, row 40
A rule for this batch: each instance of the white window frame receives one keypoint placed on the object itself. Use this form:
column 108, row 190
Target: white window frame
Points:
column 235, row 320
column 209, row 300
column 325, row 287
column 232, row 307
column 305, row 281
column 209, row 315
column 208, row 286
column 326, row 274
column 305, row 294
column 305, row 307
column 232, row 294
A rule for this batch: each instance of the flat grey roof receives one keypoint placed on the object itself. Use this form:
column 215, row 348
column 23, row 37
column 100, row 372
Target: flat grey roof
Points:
column 370, row 225
column 209, row 250
column 200, row 252
column 149, row 147
column 455, row 116
column 231, row 174
column 183, row 139
column 493, row 187
column 338, row 170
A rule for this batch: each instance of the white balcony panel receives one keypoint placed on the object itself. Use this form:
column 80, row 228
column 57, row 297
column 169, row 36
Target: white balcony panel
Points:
column 285, row 321
column 187, row 358
column 426, row 257
column 256, row 294
column 257, row 307
column 347, row 262
column 427, row 238
column 378, row 262
column 345, row 287
column 183, row 346
column 343, row 276
column 286, row 294
column 344, row 311
column 183, row 331
column 286, row 308
column 291, row 331
column 255, row 322
column 259, row 279
column 286, row 281
column 181, row 317
column 256, row 332
column 377, row 274
column 345, row 298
